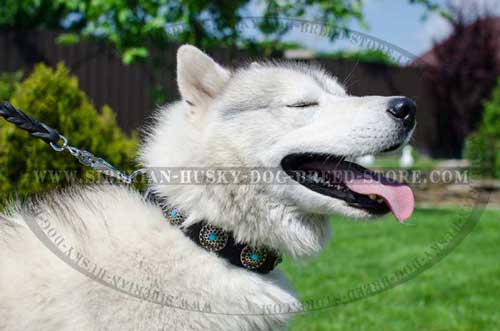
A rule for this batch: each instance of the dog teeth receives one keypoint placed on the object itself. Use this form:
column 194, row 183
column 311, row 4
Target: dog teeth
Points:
column 374, row 197
column 315, row 178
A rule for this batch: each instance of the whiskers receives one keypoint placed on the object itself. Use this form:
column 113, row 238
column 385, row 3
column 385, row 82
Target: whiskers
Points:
column 346, row 83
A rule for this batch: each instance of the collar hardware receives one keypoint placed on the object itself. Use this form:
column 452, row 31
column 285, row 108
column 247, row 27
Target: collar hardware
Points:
column 216, row 240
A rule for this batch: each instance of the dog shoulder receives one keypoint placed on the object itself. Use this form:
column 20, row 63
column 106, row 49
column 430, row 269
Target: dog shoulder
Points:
column 79, row 214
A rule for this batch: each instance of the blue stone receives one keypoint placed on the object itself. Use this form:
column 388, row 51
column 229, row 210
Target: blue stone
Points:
column 212, row 237
column 254, row 257
column 173, row 213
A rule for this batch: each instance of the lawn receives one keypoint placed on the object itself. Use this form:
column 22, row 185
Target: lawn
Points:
column 461, row 292
column 392, row 162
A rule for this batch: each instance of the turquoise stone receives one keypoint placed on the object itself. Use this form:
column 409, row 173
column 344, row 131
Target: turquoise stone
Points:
column 212, row 237
column 173, row 213
column 254, row 257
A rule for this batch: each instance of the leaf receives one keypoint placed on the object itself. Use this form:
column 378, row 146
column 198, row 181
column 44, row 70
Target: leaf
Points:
column 68, row 39
column 131, row 54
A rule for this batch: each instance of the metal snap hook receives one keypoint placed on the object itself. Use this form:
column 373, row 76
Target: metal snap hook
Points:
column 62, row 147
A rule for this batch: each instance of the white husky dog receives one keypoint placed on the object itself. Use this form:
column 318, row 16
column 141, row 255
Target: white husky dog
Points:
column 106, row 258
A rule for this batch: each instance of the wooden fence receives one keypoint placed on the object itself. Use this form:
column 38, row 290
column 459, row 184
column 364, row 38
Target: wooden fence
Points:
column 128, row 89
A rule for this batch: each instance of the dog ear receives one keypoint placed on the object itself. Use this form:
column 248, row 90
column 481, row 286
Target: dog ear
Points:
column 198, row 76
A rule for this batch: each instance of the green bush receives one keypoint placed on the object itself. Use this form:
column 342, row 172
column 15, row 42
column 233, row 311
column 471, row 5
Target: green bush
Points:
column 483, row 147
column 8, row 82
column 366, row 56
column 53, row 97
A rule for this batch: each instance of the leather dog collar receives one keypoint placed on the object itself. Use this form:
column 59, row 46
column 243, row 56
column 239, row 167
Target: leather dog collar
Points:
column 214, row 239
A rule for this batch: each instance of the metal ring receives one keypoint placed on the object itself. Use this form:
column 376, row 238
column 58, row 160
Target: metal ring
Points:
column 74, row 151
column 61, row 148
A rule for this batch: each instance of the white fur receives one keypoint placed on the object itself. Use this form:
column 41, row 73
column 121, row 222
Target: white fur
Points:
column 226, row 119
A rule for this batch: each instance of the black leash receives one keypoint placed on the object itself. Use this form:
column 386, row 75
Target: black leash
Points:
column 27, row 123
column 52, row 137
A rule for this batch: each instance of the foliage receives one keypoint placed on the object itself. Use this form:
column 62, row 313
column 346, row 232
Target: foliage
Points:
column 53, row 96
column 369, row 56
column 138, row 29
column 483, row 147
column 8, row 81
column 462, row 71
column 25, row 14
column 133, row 26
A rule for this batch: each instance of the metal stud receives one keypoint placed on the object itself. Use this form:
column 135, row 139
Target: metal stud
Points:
column 253, row 258
column 213, row 238
column 174, row 216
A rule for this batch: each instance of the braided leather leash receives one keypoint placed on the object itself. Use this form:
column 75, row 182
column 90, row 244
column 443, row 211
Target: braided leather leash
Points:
column 27, row 123
column 52, row 137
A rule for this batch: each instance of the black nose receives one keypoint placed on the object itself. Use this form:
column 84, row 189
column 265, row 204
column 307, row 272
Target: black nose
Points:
column 403, row 109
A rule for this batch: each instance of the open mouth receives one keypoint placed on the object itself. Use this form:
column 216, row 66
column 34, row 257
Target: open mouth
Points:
column 359, row 187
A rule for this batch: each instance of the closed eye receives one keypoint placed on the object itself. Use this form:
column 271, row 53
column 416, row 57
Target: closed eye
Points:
column 303, row 104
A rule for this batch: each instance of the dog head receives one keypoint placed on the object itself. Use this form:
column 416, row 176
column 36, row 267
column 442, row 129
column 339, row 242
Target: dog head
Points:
column 294, row 121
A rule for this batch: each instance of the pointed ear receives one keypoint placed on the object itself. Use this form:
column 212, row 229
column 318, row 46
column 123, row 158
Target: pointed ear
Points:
column 198, row 76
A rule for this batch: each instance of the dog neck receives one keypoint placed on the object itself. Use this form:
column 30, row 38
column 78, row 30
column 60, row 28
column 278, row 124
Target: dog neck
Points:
column 217, row 240
column 252, row 219
column 253, row 213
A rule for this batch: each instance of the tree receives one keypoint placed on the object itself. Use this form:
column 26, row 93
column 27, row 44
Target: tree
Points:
column 367, row 56
column 134, row 27
column 483, row 147
column 139, row 29
column 462, row 72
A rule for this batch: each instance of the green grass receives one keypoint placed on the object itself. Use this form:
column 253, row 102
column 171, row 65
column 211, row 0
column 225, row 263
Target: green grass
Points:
column 392, row 162
column 461, row 292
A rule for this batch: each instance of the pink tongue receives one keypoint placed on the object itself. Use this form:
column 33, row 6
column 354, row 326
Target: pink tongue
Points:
column 399, row 197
